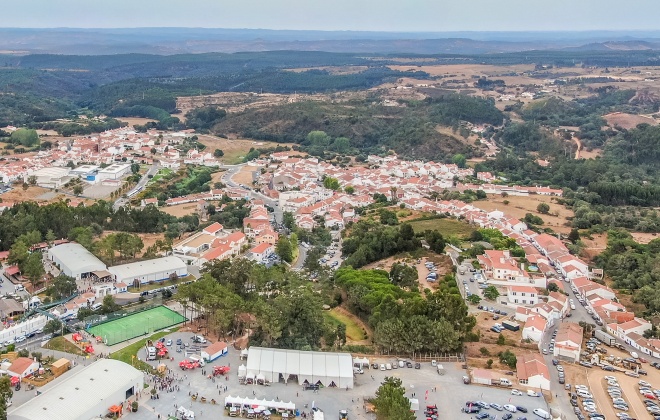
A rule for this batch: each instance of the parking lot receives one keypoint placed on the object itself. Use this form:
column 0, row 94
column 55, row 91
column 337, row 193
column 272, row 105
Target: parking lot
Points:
column 446, row 391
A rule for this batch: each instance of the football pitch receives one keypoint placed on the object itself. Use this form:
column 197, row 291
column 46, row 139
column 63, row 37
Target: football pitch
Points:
column 136, row 325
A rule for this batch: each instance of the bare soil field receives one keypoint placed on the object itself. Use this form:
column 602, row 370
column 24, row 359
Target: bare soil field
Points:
column 244, row 176
column 466, row 70
column 234, row 149
column 180, row 210
column 627, row 121
column 519, row 206
column 20, row 195
column 240, row 101
column 133, row 121
column 594, row 246
column 644, row 238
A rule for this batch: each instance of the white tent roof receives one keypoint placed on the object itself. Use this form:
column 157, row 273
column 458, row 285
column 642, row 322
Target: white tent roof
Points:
column 307, row 365
column 77, row 258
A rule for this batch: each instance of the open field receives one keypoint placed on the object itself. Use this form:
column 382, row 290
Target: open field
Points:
column 148, row 239
column 519, row 206
column 234, row 149
column 355, row 329
column 133, row 121
column 445, row 226
column 136, row 324
column 62, row 344
column 244, row 176
column 180, row 210
column 20, row 195
column 627, row 121
column 644, row 238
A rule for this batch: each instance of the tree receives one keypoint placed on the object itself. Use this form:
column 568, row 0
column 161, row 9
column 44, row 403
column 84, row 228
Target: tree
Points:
column 543, row 208
column 32, row 180
column 85, row 312
column 78, row 189
column 25, row 137
column 574, row 235
column 508, row 358
column 109, row 305
column 435, row 240
column 391, row 401
column 33, row 268
column 491, row 292
column 331, row 183
column 501, row 340
column 474, row 299
column 288, row 220
column 388, row 217
column 404, row 275
column 459, row 160
column 50, row 236
column 284, row 249
column 5, row 395
column 350, row 190
column 218, row 153
column 63, row 286
column 52, row 326
column 552, row 287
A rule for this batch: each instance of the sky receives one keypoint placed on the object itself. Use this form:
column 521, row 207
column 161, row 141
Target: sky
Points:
column 360, row 15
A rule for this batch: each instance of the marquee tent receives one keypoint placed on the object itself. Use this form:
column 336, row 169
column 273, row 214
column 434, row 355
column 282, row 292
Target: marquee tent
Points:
column 327, row 369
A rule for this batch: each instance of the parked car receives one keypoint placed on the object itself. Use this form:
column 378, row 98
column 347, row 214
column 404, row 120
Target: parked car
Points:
column 510, row 407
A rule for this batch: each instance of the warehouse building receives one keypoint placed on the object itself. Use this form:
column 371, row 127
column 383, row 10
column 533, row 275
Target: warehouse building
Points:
column 52, row 177
column 75, row 260
column 158, row 269
column 305, row 367
column 114, row 172
column 86, row 394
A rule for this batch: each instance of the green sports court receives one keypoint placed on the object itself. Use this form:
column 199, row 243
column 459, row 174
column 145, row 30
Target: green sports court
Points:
column 136, row 324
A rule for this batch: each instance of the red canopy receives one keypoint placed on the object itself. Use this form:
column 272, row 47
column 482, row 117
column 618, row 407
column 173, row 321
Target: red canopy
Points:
column 89, row 349
column 15, row 380
column 76, row 337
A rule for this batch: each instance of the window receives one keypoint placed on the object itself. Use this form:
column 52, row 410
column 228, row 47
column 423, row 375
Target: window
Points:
column 524, row 301
column 515, row 301
column 523, row 381
column 532, row 295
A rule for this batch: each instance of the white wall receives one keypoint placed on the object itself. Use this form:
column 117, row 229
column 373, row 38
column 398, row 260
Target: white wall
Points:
column 22, row 328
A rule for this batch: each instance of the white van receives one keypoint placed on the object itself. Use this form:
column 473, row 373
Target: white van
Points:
column 388, row 366
column 96, row 306
column 634, row 355
column 542, row 413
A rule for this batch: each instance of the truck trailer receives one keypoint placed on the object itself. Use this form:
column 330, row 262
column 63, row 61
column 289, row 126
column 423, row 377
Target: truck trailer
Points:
column 510, row 325
column 605, row 338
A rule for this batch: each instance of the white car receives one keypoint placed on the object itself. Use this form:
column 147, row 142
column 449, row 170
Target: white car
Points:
column 516, row 392
column 20, row 338
column 382, row 366
column 496, row 407
column 510, row 407
column 531, row 393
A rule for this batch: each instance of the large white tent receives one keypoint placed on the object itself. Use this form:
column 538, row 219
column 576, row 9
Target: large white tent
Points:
column 327, row 369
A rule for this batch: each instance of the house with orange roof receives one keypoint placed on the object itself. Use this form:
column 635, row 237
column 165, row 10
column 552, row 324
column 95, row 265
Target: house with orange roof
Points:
column 532, row 371
column 22, row 367
column 534, row 328
column 637, row 325
column 500, row 265
column 261, row 252
column 568, row 342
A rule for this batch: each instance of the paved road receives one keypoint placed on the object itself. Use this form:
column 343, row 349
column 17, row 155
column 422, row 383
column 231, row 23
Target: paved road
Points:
column 227, row 178
column 153, row 170
column 300, row 261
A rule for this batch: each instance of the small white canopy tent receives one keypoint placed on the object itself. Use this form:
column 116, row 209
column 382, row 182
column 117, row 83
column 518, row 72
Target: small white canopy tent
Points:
column 242, row 371
column 360, row 362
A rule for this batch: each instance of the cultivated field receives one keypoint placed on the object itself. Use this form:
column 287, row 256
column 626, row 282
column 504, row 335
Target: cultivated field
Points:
column 519, row 206
column 180, row 210
column 133, row 121
column 244, row 176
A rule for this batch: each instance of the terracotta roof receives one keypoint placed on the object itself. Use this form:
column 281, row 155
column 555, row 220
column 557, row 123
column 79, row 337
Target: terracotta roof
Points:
column 530, row 365
column 20, row 365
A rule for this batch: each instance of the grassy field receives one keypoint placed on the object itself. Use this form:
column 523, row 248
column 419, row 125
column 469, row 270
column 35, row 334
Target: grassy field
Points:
column 126, row 354
column 447, row 227
column 353, row 331
column 161, row 173
column 136, row 325
column 62, row 344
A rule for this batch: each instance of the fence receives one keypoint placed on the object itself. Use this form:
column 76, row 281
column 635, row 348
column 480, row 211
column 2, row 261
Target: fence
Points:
column 96, row 319
column 426, row 357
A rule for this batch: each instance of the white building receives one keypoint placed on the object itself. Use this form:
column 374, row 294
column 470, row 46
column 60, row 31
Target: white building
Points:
column 309, row 367
column 75, row 260
column 522, row 295
column 568, row 341
column 148, row 271
column 533, row 372
column 52, row 177
column 115, row 171
column 85, row 394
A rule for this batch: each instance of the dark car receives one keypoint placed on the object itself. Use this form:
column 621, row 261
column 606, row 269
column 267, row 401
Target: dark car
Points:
column 472, row 409
column 481, row 416
column 179, row 342
column 555, row 362
column 409, row 364
column 642, row 372
column 608, row 368
column 521, row 409
column 418, row 365
column 507, row 416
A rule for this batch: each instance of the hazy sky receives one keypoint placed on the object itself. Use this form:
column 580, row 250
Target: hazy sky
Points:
column 367, row 15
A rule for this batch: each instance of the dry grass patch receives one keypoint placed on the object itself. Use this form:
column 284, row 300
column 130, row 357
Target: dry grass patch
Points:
column 519, row 206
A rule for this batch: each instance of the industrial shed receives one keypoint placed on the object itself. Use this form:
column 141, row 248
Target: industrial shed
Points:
column 158, row 269
column 75, row 260
column 85, row 394
column 305, row 367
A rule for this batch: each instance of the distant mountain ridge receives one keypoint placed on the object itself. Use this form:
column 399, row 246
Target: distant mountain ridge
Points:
column 166, row 41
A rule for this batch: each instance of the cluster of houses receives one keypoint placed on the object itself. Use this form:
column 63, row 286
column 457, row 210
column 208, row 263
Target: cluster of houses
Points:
column 112, row 147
